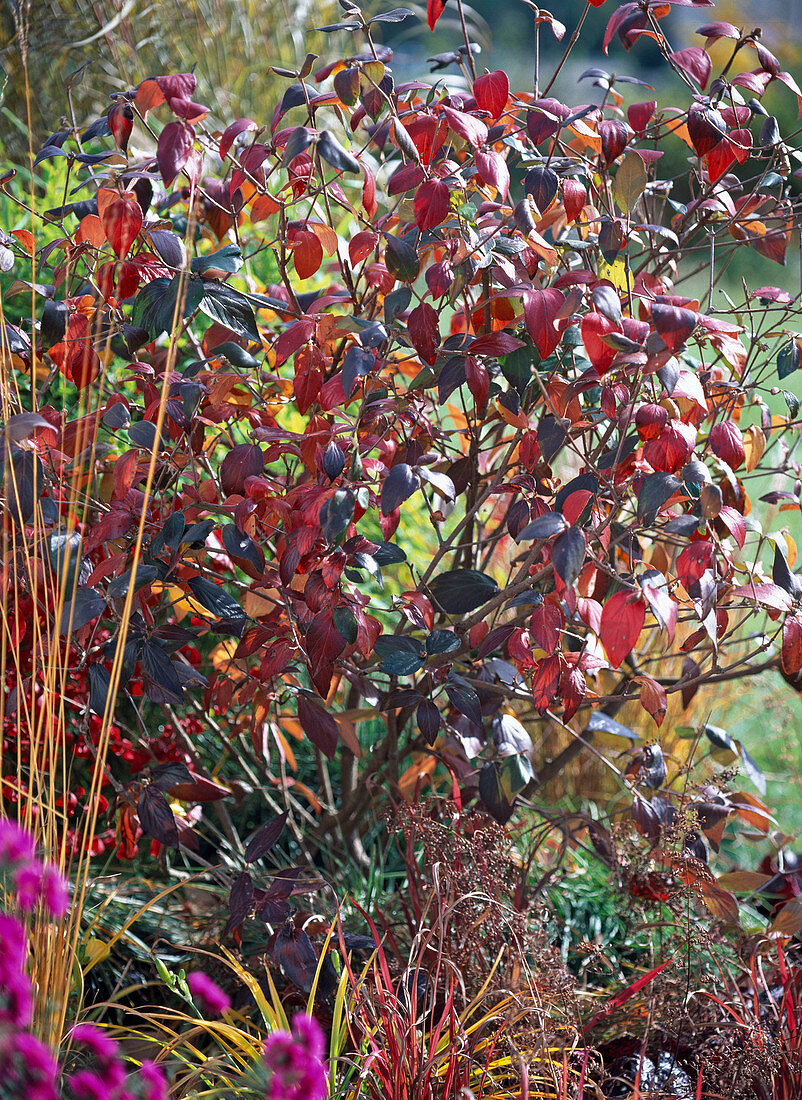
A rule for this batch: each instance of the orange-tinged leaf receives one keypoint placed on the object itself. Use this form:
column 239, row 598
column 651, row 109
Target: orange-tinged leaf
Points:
column 121, row 218
column 90, row 231
column 26, row 239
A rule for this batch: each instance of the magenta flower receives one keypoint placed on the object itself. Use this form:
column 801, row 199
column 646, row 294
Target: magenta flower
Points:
column 16, row 1001
column 295, row 1062
column 28, row 885
column 27, row 1067
column 13, row 947
column 16, row 844
column 91, row 1037
column 208, row 994
column 86, row 1085
column 55, row 894
column 155, row 1085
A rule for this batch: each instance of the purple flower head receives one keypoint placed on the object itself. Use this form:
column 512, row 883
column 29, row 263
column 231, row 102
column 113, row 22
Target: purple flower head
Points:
column 208, row 994
column 295, row 1062
column 155, row 1085
column 13, row 947
column 27, row 1068
column 308, row 1032
column 86, row 1085
column 16, row 1001
column 28, row 884
column 16, row 844
column 104, row 1049
column 54, row 891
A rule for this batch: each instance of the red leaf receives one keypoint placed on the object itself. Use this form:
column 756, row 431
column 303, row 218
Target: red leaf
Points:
column 545, row 625
column 121, row 218
column 292, row 339
column 706, row 128
column 173, row 149
column 241, row 126
column 74, row 355
column 575, row 199
column 492, row 92
column 424, row 332
column 545, row 680
column 492, row 169
column 614, row 137
column 478, row 381
column 573, row 689
column 473, row 130
column 369, row 203
column 121, row 123
column 434, row 9
column 765, row 594
column 307, row 253
column 674, row 323
column 318, row 725
column 727, row 442
column 694, row 562
column 361, row 246
column 541, row 308
column 672, row 448
column 323, row 640
column 595, row 326
column 639, row 115
column 495, row 344
column 791, row 652
column 431, row 204
column 653, row 698
column 621, row 623
column 695, row 63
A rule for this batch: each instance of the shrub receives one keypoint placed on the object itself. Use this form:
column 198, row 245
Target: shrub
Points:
column 408, row 405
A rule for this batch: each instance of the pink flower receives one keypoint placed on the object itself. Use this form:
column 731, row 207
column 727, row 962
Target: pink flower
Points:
column 154, row 1082
column 295, row 1062
column 13, row 947
column 208, row 994
column 86, row 1085
column 54, row 891
column 28, row 884
column 27, row 1067
column 16, row 844
column 91, row 1037
column 16, row 1001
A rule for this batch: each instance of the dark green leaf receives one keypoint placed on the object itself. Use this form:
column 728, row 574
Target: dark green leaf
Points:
column 216, row 599
column 428, row 719
column 459, row 591
column 337, row 513
column 388, row 553
column 99, row 682
column 401, row 259
column 398, row 486
column 156, row 303
column 442, row 641
column 228, row 259
column 86, row 605
column 655, row 491
column 492, row 795
column 464, row 699
column 230, row 308
column 788, row 359
column 242, row 546
column 568, row 554
column 334, row 154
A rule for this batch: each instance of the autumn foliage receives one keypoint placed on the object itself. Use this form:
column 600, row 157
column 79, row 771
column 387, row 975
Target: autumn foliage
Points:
column 406, row 406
